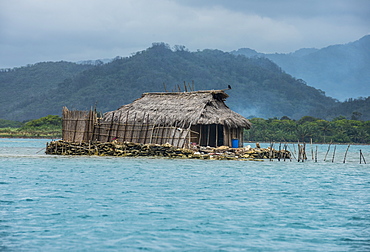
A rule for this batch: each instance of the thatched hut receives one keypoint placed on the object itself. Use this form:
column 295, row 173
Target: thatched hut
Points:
column 177, row 118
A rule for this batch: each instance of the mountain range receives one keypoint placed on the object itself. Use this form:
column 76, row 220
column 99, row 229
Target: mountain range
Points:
column 342, row 71
column 260, row 87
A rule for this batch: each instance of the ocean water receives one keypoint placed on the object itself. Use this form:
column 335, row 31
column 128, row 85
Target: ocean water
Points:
column 61, row 203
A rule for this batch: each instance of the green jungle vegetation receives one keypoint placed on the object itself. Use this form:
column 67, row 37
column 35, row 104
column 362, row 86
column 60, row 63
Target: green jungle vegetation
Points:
column 339, row 130
column 29, row 82
column 260, row 88
column 46, row 127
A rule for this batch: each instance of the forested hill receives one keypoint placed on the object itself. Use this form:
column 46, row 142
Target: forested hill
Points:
column 27, row 83
column 342, row 71
column 259, row 87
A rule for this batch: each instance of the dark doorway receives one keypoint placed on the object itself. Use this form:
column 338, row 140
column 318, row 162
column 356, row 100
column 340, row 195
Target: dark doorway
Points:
column 212, row 135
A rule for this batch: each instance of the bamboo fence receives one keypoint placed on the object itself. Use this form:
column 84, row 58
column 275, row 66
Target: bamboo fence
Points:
column 85, row 126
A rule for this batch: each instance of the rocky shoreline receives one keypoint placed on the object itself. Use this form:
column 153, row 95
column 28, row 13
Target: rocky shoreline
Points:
column 129, row 149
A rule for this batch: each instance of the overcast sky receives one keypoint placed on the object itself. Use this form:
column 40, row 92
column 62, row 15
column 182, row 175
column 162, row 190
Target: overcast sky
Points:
column 33, row 31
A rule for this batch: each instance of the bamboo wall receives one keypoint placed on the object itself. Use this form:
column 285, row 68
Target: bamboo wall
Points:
column 84, row 126
column 140, row 133
column 77, row 125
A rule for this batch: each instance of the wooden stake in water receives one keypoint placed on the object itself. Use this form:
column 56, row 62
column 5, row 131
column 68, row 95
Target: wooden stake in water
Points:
column 311, row 150
column 299, row 152
column 270, row 153
column 316, row 155
column 279, row 151
column 285, row 151
column 327, row 152
column 345, row 154
column 335, row 147
column 362, row 157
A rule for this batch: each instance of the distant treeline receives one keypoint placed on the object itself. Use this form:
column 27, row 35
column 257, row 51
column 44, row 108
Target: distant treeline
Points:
column 46, row 127
column 339, row 130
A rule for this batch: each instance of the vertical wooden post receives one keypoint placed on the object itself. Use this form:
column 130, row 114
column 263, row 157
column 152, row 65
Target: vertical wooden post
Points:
column 362, row 157
column 208, row 133
column 216, row 135
column 180, row 134
column 86, row 129
column 311, row 150
column 285, row 151
column 186, row 135
column 147, row 128
column 270, row 152
column 189, row 140
column 124, row 133
column 133, row 128
column 345, row 154
column 141, row 129
column 98, row 129
column 200, row 134
column 75, row 130
column 168, row 133
column 118, row 128
column 156, row 132
column 151, row 135
column 335, row 147
column 110, row 128
column 174, row 133
column 327, row 152
column 162, row 132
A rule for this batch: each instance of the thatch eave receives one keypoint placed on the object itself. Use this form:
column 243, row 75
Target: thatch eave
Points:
column 181, row 109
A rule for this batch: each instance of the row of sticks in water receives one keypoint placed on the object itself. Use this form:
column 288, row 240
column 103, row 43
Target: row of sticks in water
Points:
column 302, row 155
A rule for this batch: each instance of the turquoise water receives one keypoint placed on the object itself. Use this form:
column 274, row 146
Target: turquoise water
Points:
column 59, row 203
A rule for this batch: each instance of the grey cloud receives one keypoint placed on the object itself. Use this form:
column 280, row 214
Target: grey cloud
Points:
column 33, row 31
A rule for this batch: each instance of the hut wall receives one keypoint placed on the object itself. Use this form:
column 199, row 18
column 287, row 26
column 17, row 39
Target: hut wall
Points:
column 195, row 134
column 77, row 125
column 84, row 126
column 141, row 133
column 233, row 133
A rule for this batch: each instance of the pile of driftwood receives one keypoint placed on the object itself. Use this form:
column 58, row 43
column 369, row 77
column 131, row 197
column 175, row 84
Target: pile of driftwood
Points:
column 129, row 149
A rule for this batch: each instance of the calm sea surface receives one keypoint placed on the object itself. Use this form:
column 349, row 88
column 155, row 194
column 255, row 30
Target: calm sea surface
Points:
column 61, row 203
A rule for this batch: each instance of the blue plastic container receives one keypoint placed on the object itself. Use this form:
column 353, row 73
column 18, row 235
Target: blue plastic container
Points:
column 235, row 143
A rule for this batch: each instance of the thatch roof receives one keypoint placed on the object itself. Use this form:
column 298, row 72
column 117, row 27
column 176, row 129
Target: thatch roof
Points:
column 181, row 109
